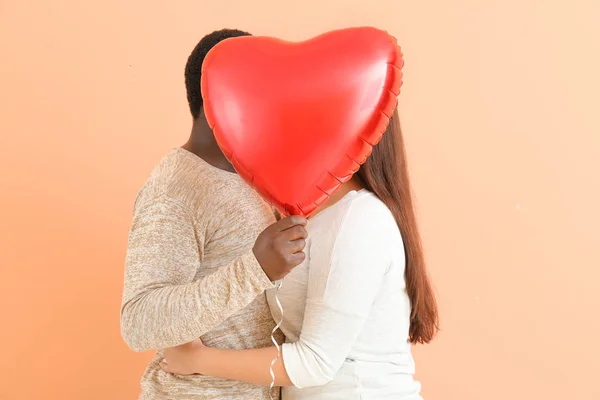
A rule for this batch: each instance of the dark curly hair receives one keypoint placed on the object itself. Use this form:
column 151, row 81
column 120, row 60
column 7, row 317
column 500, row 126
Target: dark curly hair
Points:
column 193, row 67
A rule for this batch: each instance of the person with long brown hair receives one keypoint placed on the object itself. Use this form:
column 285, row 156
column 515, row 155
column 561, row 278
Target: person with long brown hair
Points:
column 356, row 304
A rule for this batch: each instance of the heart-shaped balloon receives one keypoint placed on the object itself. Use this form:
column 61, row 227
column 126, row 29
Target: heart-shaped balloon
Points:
column 298, row 119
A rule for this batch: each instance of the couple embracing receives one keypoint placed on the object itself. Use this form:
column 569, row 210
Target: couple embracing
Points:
column 205, row 252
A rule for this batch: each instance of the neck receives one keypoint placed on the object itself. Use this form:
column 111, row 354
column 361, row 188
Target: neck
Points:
column 203, row 144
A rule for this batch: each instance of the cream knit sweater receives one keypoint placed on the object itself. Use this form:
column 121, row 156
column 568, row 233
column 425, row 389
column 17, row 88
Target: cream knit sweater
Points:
column 190, row 273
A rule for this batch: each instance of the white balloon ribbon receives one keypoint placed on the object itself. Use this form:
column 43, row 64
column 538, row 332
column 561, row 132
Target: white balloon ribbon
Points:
column 275, row 341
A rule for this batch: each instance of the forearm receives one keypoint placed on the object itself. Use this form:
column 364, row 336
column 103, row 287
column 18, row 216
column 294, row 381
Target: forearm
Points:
column 250, row 365
column 175, row 314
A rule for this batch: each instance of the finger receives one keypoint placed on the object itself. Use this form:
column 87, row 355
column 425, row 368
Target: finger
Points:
column 296, row 246
column 295, row 233
column 297, row 258
column 289, row 222
column 165, row 367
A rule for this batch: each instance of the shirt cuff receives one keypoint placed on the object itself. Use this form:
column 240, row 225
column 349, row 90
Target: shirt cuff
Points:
column 255, row 272
column 297, row 370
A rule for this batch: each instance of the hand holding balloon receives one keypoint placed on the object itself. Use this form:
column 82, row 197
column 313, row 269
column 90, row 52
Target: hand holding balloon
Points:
column 279, row 248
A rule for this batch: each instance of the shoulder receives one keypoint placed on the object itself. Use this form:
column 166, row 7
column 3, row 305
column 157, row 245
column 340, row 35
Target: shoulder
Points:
column 187, row 178
column 366, row 215
column 368, row 232
column 206, row 192
column 355, row 218
column 235, row 199
column 358, row 226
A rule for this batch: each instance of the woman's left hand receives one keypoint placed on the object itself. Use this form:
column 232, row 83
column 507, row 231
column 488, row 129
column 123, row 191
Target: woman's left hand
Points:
column 182, row 360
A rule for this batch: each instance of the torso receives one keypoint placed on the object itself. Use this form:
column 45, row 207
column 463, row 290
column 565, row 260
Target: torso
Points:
column 229, row 234
column 380, row 365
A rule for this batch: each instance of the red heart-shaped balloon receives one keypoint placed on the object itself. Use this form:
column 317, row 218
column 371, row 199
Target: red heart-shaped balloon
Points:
column 298, row 119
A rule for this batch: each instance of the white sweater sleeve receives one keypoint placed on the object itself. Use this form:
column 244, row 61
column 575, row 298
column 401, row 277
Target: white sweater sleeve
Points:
column 342, row 286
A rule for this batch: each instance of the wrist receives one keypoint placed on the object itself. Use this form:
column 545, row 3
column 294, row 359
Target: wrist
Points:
column 257, row 271
column 203, row 359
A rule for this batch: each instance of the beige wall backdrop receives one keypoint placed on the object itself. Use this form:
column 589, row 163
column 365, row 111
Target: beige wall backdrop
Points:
column 500, row 110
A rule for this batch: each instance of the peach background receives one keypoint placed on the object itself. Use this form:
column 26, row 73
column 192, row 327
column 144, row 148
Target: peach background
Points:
column 500, row 108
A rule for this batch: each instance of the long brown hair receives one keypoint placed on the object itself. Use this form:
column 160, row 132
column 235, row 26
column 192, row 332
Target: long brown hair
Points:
column 385, row 173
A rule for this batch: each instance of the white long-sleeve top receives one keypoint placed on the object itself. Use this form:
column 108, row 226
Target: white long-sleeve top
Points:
column 346, row 311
